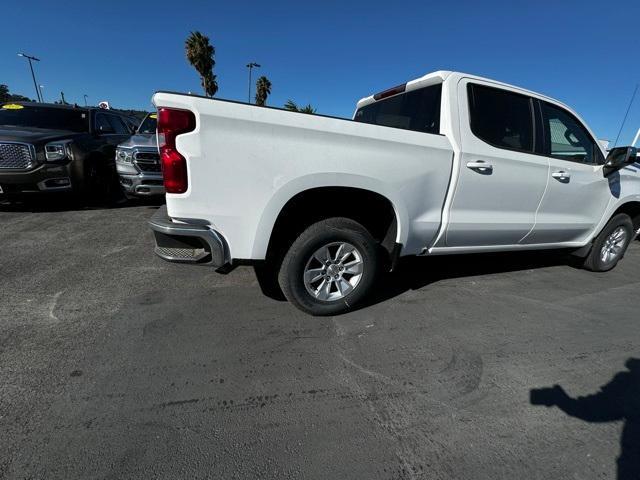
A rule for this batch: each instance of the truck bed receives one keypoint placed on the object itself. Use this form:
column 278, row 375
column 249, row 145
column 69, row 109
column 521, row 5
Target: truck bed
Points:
column 245, row 162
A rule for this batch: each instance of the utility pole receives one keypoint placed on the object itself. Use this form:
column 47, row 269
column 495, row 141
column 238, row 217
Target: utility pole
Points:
column 33, row 75
column 251, row 66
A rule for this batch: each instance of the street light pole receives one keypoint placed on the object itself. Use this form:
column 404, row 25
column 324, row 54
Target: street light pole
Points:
column 33, row 75
column 41, row 94
column 85, row 99
column 251, row 66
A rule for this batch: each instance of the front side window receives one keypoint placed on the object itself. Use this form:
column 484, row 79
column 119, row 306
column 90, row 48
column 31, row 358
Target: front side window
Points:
column 565, row 137
column 501, row 118
column 118, row 125
column 417, row 110
column 102, row 124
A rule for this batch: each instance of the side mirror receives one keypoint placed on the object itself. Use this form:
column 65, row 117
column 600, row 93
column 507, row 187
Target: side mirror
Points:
column 619, row 157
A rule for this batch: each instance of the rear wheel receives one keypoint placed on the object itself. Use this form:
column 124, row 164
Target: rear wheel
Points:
column 100, row 183
column 611, row 244
column 330, row 267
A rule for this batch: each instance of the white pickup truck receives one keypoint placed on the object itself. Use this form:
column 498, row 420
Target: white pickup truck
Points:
column 447, row 163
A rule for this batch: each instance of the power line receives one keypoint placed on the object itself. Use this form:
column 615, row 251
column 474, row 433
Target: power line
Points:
column 625, row 115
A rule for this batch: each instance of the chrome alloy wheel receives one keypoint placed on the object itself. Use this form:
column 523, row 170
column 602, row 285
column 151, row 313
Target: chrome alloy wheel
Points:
column 613, row 245
column 333, row 271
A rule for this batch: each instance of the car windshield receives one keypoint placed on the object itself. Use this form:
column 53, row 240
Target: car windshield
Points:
column 149, row 124
column 50, row 118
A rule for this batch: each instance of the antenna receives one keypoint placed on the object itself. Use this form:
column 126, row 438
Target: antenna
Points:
column 625, row 115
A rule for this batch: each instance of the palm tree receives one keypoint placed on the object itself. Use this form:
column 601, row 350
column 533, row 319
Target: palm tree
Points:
column 293, row 107
column 263, row 90
column 200, row 54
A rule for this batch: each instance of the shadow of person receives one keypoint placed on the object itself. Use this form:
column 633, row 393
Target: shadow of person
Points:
column 618, row 400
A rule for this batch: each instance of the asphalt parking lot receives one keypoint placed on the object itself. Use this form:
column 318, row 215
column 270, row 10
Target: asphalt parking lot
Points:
column 115, row 364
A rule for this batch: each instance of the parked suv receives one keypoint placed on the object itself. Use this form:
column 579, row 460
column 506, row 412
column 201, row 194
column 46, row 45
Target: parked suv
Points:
column 59, row 148
column 138, row 161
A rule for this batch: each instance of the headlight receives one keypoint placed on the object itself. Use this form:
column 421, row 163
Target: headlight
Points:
column 124, row 155
column 56, row 151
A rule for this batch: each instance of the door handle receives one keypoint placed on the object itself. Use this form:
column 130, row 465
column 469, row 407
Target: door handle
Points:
column 561, row 175
column 481, row 166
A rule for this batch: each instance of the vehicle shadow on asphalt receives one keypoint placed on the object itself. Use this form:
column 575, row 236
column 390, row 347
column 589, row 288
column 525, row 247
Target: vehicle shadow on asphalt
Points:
column 618, row 400
column 414, row 273
column 44, row 204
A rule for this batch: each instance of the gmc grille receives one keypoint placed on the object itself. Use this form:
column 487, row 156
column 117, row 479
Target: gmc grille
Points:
column 16, row 156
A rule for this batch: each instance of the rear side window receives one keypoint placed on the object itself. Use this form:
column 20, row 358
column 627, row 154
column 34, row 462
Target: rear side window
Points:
column 501, row 118
column 418, row 110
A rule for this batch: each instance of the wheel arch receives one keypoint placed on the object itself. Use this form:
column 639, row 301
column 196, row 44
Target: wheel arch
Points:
column 285, row 212
column 631, row 208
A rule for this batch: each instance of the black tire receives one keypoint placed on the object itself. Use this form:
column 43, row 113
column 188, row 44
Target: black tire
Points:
column 594, row 260
column 329, row 232
column 100, row 183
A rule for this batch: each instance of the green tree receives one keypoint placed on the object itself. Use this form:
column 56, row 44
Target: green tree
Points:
column 4, row 93
column 263, row 90
column 200, row 54
column 7, row 96
column 294, row 107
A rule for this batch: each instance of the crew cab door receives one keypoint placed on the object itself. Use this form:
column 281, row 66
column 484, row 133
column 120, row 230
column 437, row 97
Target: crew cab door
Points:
column 578, row 193
column 501, row 180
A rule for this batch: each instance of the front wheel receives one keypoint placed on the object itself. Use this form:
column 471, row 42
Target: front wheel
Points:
column 330, row 267
column 611, row 244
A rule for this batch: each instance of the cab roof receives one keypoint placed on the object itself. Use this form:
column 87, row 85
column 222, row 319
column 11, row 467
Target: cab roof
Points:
column 441, row 76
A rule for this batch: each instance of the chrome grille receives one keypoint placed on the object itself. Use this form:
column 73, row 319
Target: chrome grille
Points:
column 147, row 156
column 147, row 161
column 16, row 155
column 148, row 166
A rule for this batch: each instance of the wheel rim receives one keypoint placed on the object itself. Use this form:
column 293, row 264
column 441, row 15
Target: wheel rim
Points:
column 333, row 271
column 613, row 245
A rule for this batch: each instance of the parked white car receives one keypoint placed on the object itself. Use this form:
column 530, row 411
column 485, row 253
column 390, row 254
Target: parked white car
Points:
column 447, row 163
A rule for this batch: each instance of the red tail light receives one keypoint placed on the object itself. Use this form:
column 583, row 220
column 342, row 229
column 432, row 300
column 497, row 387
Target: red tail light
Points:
column 171, row 123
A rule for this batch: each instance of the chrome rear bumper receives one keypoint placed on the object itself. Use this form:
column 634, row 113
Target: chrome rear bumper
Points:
column 187, row 242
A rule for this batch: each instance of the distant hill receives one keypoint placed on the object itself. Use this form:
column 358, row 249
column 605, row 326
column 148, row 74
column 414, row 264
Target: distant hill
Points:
column 7, row 96
column 139, row 114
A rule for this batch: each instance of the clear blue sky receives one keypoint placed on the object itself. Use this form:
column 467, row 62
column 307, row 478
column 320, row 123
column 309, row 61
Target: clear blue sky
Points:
column 329, row 53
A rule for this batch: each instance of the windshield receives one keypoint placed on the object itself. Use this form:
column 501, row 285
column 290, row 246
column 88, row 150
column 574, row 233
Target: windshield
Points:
column 50, row 118
column 149, row 124
column 418, row 110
